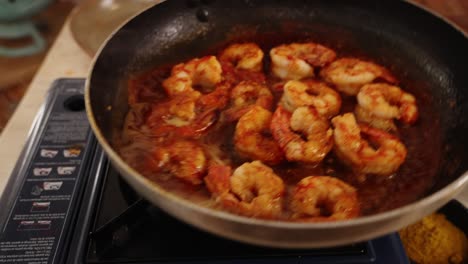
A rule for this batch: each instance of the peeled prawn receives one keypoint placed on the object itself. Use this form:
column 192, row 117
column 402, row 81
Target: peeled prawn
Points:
column 181, row 116
column 358, row 153
column 252, row 139
column 189, row 114
column 183, row 159
column 297, row 60
column 350, row 74
column 326, row 101
column 217, row 180
column 288, row 129
column 364, row 116
column 252, row 190
column 380, row 102
column 324, row 198
column 205, row 72
column 178, row 111
column 246, row 56
column 245, row 96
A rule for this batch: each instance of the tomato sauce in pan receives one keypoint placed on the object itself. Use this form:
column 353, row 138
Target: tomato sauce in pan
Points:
column 376, row 193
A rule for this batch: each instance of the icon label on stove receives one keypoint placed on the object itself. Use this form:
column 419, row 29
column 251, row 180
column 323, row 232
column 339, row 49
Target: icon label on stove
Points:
column 40, row 207
column 36, row 190
column 52, row 186
column 34, row 225
column 66, row 170
column 71, row 152
column 49, row 153
column 42, row 171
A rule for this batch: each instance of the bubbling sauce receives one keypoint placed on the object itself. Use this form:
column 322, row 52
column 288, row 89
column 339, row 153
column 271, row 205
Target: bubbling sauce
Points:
column 376, row 193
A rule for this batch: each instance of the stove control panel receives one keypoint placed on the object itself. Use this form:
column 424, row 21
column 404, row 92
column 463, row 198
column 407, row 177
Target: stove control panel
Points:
column 44, row 187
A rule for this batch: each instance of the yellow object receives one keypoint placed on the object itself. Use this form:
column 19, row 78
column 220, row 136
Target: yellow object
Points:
column 434, row 240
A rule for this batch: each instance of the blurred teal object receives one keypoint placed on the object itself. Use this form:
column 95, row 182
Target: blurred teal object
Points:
column 14, row 24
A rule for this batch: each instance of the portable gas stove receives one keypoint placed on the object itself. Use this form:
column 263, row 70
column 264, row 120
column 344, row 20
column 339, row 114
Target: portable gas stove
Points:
column 66, row 204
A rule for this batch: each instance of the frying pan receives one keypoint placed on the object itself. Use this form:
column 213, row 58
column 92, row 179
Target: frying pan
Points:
column 422, row 49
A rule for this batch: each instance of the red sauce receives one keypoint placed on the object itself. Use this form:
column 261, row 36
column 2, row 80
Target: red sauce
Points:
column 376, row 193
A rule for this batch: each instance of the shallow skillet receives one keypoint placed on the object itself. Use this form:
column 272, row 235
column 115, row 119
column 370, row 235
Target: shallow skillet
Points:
column 422, row 49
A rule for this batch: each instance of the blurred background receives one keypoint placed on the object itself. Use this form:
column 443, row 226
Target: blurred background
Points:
column 28, row 29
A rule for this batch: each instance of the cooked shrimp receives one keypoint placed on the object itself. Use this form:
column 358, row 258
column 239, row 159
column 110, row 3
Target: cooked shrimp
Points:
column 326, row 101
column 183, row 159
column 181, row 116
column 178, row 111
column 297, row 60
column 215, row 100
column 252, row 139
column 384, row 101
column 205, row 72
column 256, row 191
column 358, row 153
column 350, row 74
column 218, row 179
column 364, row 116
column 324, row 198
column 252, row 190
column 246, row 56
column 188, row 114
column 194, row 129
column 181, row 110
column 246, row 95
column 288, row 129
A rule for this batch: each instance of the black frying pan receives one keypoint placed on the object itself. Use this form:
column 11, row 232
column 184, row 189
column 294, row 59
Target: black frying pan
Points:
column 421, row 49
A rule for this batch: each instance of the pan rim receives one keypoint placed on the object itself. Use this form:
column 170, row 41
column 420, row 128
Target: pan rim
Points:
column 143, row 181
column 449, row 190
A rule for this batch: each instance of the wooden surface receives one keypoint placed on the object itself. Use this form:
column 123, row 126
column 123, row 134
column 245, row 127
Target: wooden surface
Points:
column 17, row 73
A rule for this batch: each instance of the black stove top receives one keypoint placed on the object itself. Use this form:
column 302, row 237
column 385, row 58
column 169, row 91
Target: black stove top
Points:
column 133, row 230
column 104, row 221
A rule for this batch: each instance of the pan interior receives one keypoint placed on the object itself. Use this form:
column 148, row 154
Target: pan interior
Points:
column 421, row 50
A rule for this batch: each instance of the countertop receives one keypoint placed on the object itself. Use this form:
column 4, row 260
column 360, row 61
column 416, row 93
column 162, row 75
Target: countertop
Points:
column 65, row 59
